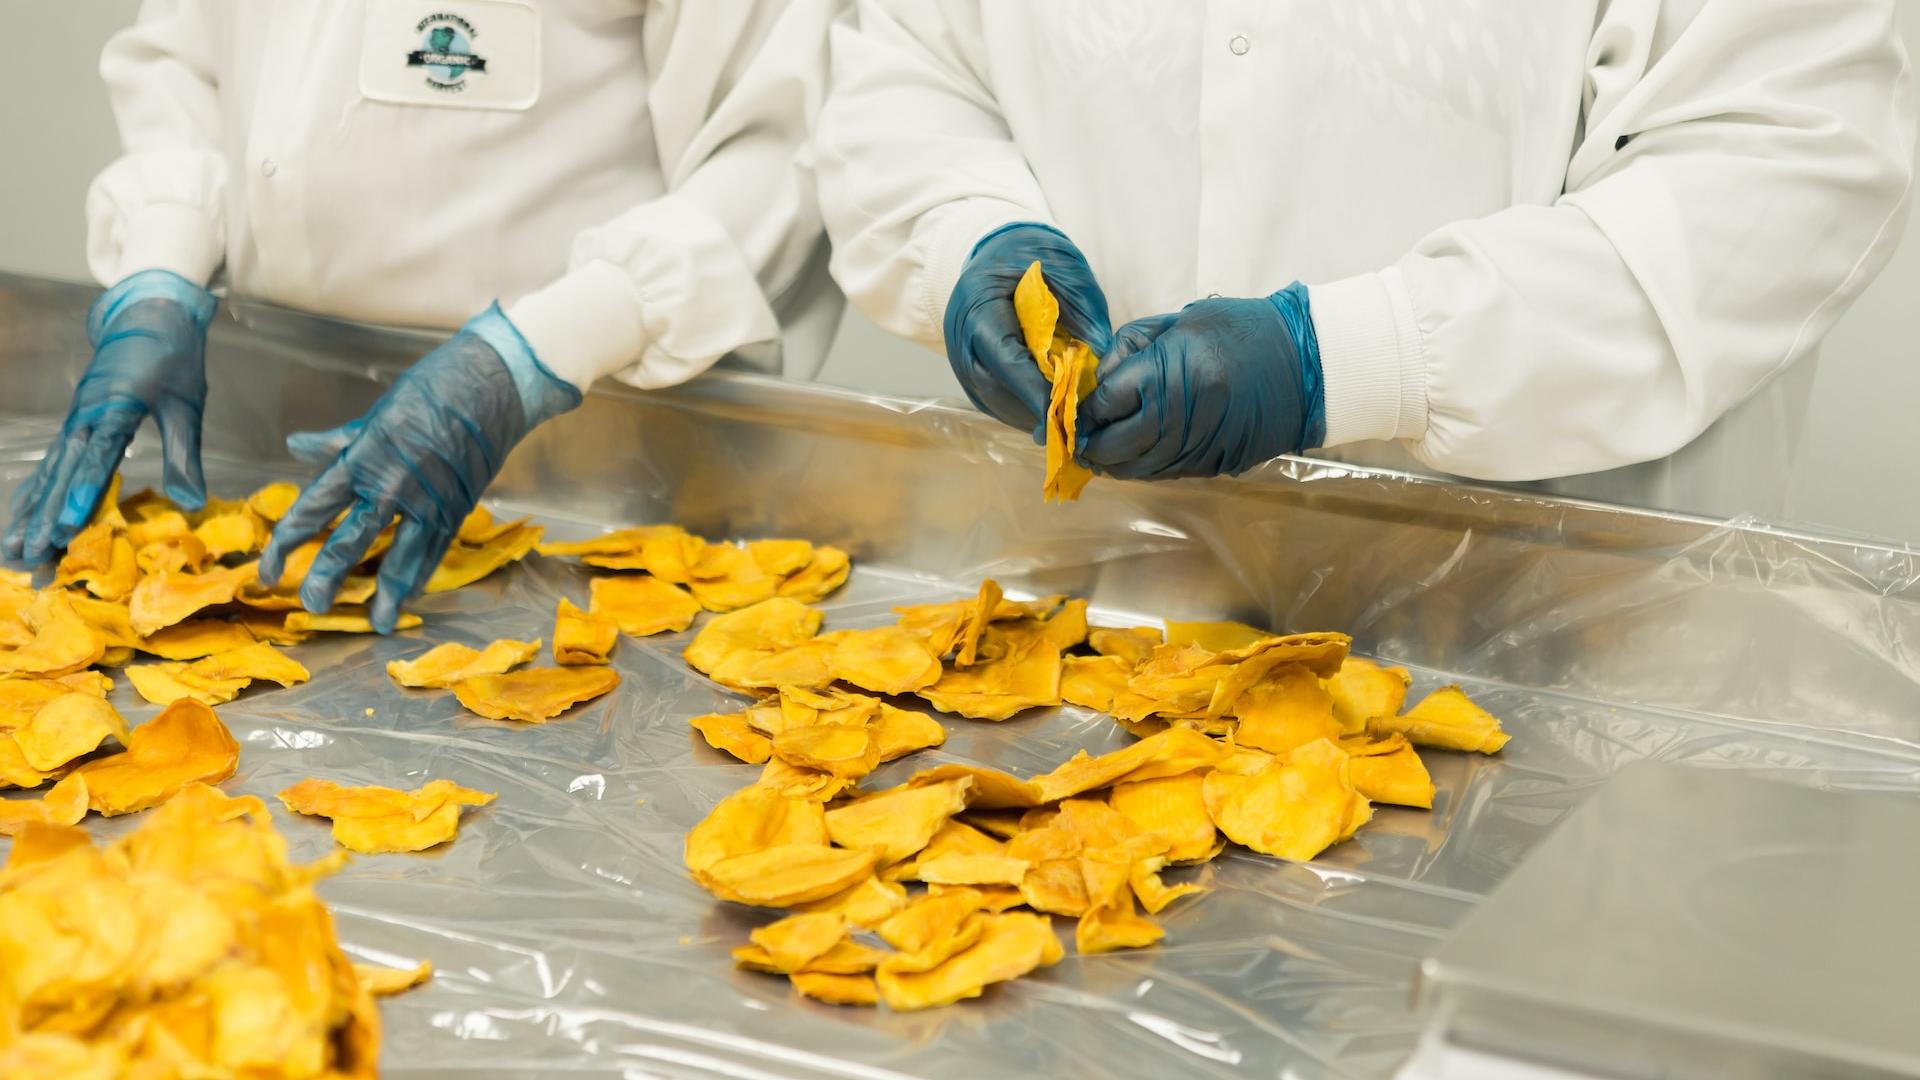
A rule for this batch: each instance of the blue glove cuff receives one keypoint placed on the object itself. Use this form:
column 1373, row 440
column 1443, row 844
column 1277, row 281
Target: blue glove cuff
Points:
column 1010, row 226
column 542, row 393
column 1297, row 312
column 150, row 285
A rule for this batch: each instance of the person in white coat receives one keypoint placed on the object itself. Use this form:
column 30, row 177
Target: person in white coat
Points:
column 626, row 176
column 1538, row 239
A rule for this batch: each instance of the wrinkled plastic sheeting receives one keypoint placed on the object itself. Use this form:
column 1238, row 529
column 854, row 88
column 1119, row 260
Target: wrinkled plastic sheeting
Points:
column 567, row 938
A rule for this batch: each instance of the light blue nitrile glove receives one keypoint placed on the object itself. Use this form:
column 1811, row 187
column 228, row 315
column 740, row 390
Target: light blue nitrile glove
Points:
column 149, row 335
column 1217, row 388
column 984, row 343
column 425, row 451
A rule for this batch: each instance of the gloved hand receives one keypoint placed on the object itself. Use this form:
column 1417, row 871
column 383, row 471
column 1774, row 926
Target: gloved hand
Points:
column 149, row 335
column 425, row 451
column 1217, row 388
column 984, row 343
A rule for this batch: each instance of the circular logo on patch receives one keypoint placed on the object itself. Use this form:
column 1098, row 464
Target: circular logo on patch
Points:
column 446, row 52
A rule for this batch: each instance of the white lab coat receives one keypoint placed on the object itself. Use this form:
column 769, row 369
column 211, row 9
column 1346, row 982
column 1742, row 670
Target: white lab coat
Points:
column 1541, row 239
column 624, row 176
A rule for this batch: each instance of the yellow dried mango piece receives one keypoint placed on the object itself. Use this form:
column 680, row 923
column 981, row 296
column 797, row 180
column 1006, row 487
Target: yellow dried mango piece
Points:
column 886, row 660
column 580, row 638
column 1287, row 708
column 269, row 626
column 343, row 619
column 1448, row 719
column 1066, row 363
column 1216, row 637
column 464, row 564
column 64, row 804
column 846, row 958
column 643, row 605
column 22, row 696
column 961, row 869
column 386, row 981
column 754, row 819
column 62, row 642
column 185, row 744
column 929, row 921
column 826, row 572
column 67, row 727
column 726, row 578
column 786, row 875
column 258, row 660
column 450, row 662
column 1111, row 922
column 236, row 531
column 1294, row 808
column 1390, row 771
column 160, row 600
column 767, row 627
column 175, row 554
column 169, row 681
column 952, row 838
column 865, row 905
column 797, row 939
column 1096, row 824
column 1024, row 673
column 966, row 642
column 102, row 560
column 382, row 820
column 838, row 749
column 900, row 732
column 1153, row 893
column 1362, row 690
column 836, row 989
column 195, row 638
column 1010, row 945
column 731, row 733
column 1095, row 682
column 1169, row 753
column 1172, row 807
column 478, row 527
column 535, row 695
column 800, row 783
column 1132, row 644
column 781, row 557
column 897, row 822
column 989, row 789
column 1038, row 313
column 806, row 666
column 274, row 500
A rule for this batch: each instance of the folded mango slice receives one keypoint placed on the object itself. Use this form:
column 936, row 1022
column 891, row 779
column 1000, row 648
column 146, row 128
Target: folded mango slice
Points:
column 450, row 662
column 1293, row 808
column 1169, row 753
column 1447, row 719
column 754, row 819
column 836, row 989
column 59, row 641
column 213, row 680
column 1215, row 637
column 160, row 600
column 1389, row 771
column 1362, row 690
column 952, row 838
column 643, row 605
column 345, row 618
column 23, row 696
column 535, row 695
column 1153, row 893
column 731, row 732
column 842, row 750
column 581, row 638
column 786, row 875
column 185, row 744
column 988, row 789
column 897, row 822
column 781, row 557
column 1069, row 365
column 67, row 727
column 730, row 644
column 792, row 942
column 1285, row 709
column 1173, row 807
column 195, row 638
column 386, row 981
column 1009, row 946
column 727, row 578
column 463, row 564
column 274, row 500
column 100, row 558
column 825, row 572
column 1131, row 644
column 1023, row 672
column 886, row 660
column 1111, row 921
column 382, row 820
column 865, row 905
column 63, row 804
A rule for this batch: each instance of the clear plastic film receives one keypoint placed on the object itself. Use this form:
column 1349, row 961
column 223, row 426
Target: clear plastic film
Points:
column 566, row 937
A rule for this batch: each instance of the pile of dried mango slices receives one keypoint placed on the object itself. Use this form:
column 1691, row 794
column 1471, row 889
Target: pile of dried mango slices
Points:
column 1278, row 743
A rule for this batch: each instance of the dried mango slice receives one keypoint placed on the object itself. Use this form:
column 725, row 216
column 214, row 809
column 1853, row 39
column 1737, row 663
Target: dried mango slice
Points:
column 1025, row 673
column 1389, row 771
column 643, row 605
column 343, row 619
column 865, row 905
column 786, row 875
column 100, row 559
column 966, row 928
column 726, row 578
column 845, row 958
column 1094, row 682
column 1173, row 807
column 22, row 697
column 900, row 821
column 825, row 572
column 1010, row 945
column 383, row 820
column 1447, row 719
column 900, row 732
column 535, row 695
column 581, row 638
column 234, row 531
column 70, row 725
column 1069, row 365
column 479, row 526
column 798, row 783
column 1096, row 824
column 1169, row 753
column 836, row 989
column 464, row 564
column 781, row 557
column 837, row 749
column 1293, row 808
column 967, row 639
column 169, row 681
column 386, row 981
column 160, row 600
column 952, row 838
column 960, row 869
column 1131, row 644
column 273, row 501
column 258, row 660
column 175, row 554
column 62, row 642
column 1153, row 893
column 270, row 626
column 450, row 662
column 1217, row 637
column 886, row 660
column 731, row 733
column 754, row 819
column 185, row 744
column 764, row 628
column 988, row 789
column 1287, row 708
column 1362, row 690
column 64, row 804
column 807, row 666
column 792, row 942
column 1111, row 922
column 195, row 638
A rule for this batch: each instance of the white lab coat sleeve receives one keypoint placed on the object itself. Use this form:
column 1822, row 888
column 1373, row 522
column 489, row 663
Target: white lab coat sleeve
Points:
column 661, row 292
column 916, row 161
column 161, row 204
column 1742, row 174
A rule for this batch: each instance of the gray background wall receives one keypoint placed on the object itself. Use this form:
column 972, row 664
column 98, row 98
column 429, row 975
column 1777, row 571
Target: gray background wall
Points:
column 1860, row 465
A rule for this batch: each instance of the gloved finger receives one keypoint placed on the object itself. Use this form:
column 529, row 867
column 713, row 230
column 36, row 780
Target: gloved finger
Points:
column 93, row 470
column 999, row 348
column 1119, row 391
column 1135, row 337
column 179, row 426
column 37, row 530
column 417, row 548
column 1146, row 442
column 321, row 447
column 26, row 499
column 345, row 549
column 310, row 513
